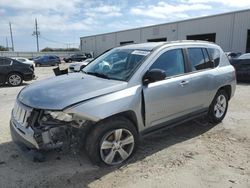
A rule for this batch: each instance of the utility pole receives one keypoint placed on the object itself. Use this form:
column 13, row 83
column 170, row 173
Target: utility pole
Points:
column 7, row 45
column 36, row 33
column 11, row 37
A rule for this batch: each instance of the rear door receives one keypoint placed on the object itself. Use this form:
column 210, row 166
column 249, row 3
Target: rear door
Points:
column 201, row 75
column 52, row 60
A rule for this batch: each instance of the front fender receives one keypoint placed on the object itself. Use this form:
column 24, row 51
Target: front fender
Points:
column 105, row 106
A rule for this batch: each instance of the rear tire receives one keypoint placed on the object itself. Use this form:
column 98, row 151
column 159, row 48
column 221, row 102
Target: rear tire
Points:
column 218, row 107
column 112, row 141
column 15, row 79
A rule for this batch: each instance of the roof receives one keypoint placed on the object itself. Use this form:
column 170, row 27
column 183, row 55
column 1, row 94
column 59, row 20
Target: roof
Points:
column 148, row 46
column 203, row 17
column 143, row 46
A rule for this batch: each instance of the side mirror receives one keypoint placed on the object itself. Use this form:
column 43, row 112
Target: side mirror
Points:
column 153, row 75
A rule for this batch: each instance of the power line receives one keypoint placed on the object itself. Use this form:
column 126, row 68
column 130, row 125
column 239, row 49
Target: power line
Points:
column 50, row 40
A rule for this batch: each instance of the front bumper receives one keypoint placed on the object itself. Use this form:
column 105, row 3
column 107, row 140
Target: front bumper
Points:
column 23, row 136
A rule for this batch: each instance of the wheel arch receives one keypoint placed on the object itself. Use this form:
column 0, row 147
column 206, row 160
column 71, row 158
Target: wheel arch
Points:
column 227, row 89
column 130, row 115
column 17, row 72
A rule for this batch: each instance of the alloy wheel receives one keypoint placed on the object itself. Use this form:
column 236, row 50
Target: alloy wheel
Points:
column 15, row 80
column 116, row 146
column 220, row 106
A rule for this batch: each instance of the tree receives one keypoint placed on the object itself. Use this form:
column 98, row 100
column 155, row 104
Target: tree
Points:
column 47, row 49
column 2, row 48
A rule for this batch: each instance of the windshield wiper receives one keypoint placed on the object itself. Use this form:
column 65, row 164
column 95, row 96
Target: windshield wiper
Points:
column 97, row 74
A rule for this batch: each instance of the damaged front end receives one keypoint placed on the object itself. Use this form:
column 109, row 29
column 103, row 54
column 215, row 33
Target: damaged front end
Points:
column 58, row 130
column 46, row 130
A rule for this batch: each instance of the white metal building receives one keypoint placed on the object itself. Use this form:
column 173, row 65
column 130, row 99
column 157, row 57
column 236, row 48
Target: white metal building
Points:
column 230, row 30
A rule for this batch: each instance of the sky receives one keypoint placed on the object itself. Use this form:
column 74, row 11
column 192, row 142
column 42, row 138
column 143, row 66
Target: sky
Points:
column 61, row 23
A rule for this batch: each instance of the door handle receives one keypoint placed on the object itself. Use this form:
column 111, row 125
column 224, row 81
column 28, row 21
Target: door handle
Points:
column 183, row 83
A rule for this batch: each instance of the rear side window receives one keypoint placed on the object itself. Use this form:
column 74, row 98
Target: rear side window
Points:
column 4, row 61
column 214, row 55
column 209, row 63
column 172, row 62
column 51, row 57
column 196, row 59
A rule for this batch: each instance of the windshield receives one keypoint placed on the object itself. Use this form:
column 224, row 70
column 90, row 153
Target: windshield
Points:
column 117, row 64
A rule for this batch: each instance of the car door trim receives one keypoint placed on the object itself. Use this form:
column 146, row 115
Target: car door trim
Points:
column 174, row 122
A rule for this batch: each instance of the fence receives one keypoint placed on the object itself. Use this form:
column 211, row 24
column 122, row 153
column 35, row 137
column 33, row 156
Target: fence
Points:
column 34, row 54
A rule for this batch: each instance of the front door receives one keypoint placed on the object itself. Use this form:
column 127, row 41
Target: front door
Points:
column 168, row 99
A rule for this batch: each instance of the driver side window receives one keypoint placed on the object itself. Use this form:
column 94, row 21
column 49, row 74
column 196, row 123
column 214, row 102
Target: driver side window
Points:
column 172, row 62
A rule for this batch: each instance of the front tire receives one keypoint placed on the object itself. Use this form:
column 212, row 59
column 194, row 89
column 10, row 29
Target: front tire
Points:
column 218, row 107
column 112, row 141
column 15, row 79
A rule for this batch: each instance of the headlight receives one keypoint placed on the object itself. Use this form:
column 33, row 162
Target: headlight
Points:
column 59, row 115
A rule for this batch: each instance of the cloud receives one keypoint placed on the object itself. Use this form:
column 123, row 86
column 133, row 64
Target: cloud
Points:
column 57, row 15
column 104, row 11
column 229, row 3
column 2, row 12
column 165, row 10
column 40, row 5
column 67, row 20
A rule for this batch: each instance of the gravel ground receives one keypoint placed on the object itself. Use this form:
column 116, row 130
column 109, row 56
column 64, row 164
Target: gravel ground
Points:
column 190, row 155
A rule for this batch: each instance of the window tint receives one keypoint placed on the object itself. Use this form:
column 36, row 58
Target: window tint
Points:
column 4, row 61
column 207, row 59
column 215, row 55
column 196, row 59
column 172, row 62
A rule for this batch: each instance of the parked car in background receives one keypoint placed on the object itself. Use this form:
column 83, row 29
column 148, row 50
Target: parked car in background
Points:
column 75, row 57
column 47, row 60
column 26, row 61
column 242, row 67
column 244, row 56
column 14, row 72
column 113, row 102
column 33, row 58
column 233, row 55
column 76, row 67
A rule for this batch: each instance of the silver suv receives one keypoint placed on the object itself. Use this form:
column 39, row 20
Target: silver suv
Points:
column 123, row 95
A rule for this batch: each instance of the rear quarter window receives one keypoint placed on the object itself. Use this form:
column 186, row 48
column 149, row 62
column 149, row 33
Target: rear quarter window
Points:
column 214, row 55
column 196, row 59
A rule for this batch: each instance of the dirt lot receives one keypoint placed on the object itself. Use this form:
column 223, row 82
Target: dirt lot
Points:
column 190, row 155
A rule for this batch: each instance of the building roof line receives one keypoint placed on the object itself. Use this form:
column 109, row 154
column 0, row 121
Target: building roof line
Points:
column 168, row 23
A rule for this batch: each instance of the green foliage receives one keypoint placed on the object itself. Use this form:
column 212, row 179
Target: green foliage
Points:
column 47, row 49
column 2, row 48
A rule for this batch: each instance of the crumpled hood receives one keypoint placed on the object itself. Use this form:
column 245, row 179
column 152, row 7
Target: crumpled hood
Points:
column 60, row 92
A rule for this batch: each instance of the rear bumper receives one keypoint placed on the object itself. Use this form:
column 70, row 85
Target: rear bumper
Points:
column 28, row 76
column 243, row 76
